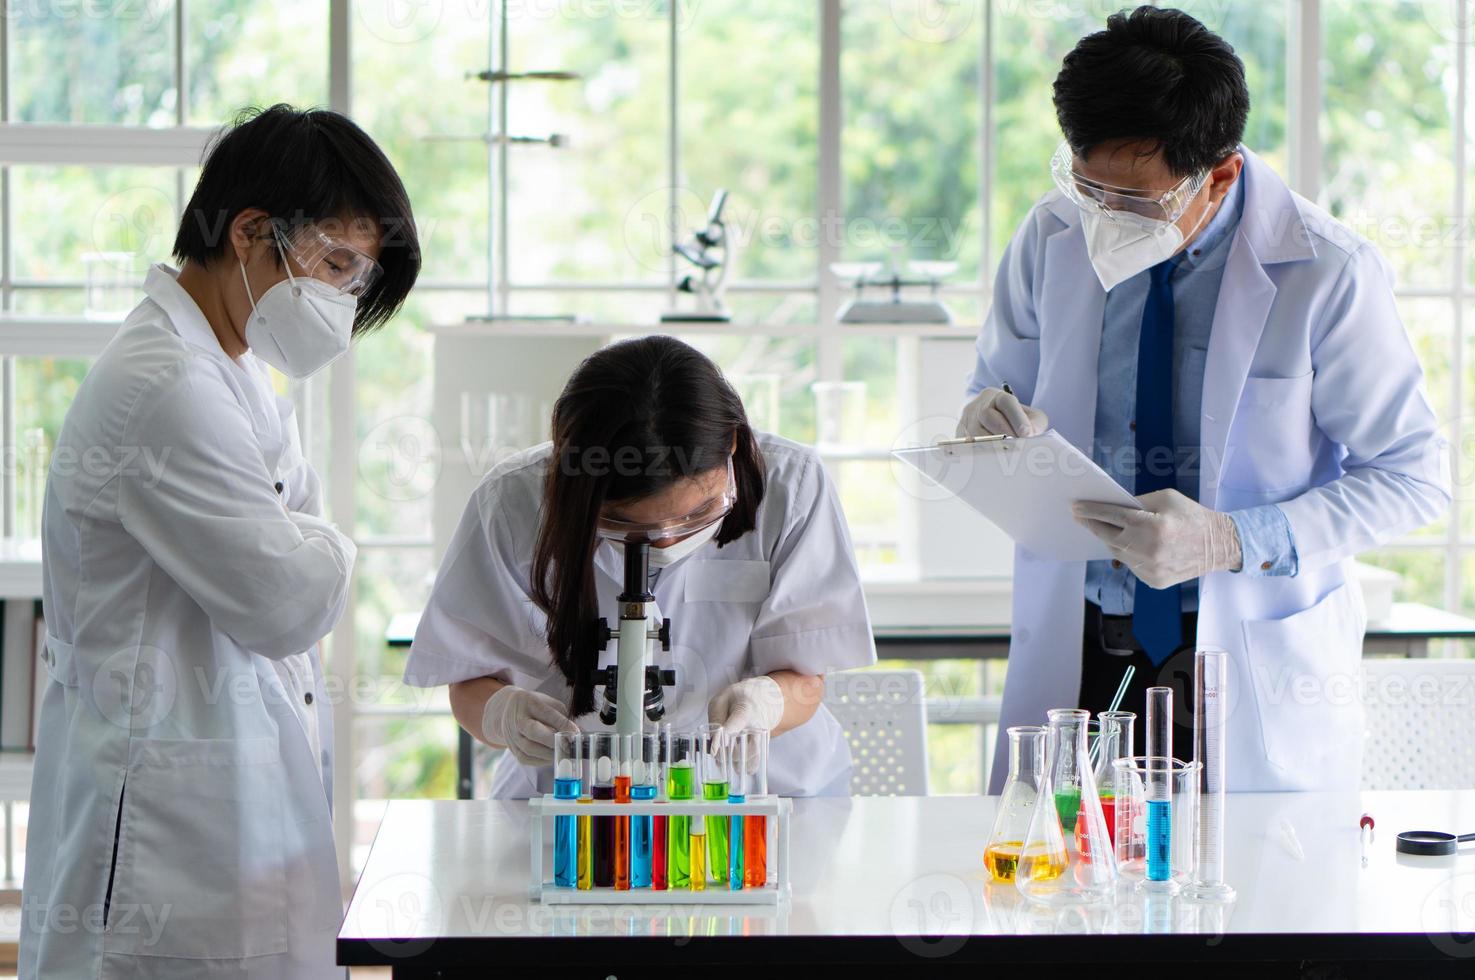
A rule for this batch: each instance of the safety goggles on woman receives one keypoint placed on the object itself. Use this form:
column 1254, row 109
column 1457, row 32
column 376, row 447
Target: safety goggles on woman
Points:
column 1094, row 196
column 330, row 259
column 712, row 510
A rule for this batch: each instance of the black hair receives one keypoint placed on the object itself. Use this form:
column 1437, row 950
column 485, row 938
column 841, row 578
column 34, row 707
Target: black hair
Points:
column 634, row 419
column 303, row 167
column 1156, row 75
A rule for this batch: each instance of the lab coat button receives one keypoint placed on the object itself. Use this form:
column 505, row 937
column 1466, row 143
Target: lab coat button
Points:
column 307, row 697
column 1265, row 566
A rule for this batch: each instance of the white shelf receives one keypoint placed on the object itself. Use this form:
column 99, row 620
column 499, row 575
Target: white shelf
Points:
column 55, row 336
column 15, row 775
column 565, row 328
column 20, row 568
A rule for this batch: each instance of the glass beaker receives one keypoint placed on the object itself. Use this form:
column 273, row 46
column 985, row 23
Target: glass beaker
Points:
column 1016, row 803
column 1052, row 868
column 1156, row 814
column 1113, row 740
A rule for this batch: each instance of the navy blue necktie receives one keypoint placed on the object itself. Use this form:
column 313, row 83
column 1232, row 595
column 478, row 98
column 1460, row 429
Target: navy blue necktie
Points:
column 1157, row 621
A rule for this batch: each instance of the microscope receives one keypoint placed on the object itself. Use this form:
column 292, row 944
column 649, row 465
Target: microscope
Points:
column 634, row 680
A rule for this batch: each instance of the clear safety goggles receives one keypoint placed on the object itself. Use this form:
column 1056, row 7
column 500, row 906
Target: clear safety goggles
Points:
column 658, row 532
column 330, row 260
column 1113, row 201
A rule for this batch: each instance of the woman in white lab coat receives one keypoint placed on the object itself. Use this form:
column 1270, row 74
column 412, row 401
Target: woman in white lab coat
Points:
column 760, row 585
column 180, row 811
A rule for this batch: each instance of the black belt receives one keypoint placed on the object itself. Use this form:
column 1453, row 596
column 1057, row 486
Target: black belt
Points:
column 1115, row 631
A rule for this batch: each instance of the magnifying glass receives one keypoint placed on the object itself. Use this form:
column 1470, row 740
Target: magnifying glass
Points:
column 1430, row 843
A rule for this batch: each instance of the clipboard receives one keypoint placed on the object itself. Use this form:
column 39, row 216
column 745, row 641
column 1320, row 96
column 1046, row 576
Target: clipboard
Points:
column 1025, row 486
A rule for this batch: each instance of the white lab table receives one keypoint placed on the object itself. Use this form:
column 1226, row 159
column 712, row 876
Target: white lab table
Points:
column 882, row 884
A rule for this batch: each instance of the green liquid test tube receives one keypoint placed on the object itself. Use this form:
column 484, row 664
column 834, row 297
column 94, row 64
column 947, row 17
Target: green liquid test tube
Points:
column 678, row 828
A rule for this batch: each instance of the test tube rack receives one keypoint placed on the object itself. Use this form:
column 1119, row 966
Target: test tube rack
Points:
column 777, row 809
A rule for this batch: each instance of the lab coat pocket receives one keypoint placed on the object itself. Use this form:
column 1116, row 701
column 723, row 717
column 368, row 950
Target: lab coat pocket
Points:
column 727, row 580
column 1270, row 442
column 1305, row 675
column 199, row 867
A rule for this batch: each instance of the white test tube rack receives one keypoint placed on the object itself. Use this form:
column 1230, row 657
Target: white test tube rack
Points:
column 777, row 809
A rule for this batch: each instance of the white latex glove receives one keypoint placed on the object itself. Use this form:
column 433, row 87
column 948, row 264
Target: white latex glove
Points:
column 525, row 722
column 996, row 412
column 1172, row 540
column 757, row 702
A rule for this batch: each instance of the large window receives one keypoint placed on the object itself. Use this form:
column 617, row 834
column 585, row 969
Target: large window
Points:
column 845, row 131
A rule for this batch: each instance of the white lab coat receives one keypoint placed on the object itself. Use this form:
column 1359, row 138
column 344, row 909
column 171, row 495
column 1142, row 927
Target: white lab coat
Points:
column 786, row 595
column 175, row 782
column 1311, row 399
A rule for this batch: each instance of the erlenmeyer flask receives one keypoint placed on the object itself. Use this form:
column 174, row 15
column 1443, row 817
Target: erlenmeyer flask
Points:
column 1113, row 741
column 1017, row 804
column 1051, row 867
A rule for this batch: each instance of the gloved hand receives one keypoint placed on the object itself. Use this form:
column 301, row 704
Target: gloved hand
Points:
column 525, row 722
column 996, row 412
column 1173, row 540
column 757, row 702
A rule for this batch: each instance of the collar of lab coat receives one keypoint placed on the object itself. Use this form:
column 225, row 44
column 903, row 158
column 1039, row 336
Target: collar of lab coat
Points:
column 259, row 399
column 1271, row 222
column 162, row 286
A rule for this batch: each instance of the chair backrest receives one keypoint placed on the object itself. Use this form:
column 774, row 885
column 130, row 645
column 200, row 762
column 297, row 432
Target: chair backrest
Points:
column 885, row 720
column 1420, row 724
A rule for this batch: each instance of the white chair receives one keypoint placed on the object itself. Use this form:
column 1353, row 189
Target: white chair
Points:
column 1420, row 724
column 884, row 716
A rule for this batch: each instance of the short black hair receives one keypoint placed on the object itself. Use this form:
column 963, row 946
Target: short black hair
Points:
column 300, row 167
column 1155, row 74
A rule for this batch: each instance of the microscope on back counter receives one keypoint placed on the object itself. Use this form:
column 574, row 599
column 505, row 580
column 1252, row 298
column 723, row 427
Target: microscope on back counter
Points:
column 634, row 679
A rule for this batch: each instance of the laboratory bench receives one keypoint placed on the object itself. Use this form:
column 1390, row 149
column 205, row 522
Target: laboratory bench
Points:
column 882, row 885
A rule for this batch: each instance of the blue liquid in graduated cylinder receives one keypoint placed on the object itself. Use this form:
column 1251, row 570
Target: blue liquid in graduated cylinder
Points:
column 566, row 837
column 642, row 839
column 1159, row 840
column 735, row 847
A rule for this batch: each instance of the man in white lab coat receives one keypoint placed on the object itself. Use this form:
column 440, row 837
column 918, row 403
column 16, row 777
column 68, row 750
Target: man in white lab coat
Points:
column 1233, row 356
column 181, row 806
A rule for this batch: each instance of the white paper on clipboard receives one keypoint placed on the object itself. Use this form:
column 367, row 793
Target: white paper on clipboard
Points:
column 1026, row 487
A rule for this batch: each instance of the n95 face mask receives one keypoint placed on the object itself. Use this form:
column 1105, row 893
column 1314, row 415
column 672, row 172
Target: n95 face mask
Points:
column 1122, row 244
column 299, row 326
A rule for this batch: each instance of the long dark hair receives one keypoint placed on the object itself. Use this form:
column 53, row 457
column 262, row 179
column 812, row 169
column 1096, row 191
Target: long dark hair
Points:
column 635, row 419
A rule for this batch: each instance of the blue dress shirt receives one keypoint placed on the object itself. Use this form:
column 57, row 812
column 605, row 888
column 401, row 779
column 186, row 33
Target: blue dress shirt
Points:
column 1264, row 532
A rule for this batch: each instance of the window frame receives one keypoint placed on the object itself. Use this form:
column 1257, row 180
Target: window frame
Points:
column 329, row 404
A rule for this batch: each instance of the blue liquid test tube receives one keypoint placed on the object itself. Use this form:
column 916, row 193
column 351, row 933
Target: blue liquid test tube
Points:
column 567, row 784
column 642, row 829
column 737, row 792
column 1159, row 840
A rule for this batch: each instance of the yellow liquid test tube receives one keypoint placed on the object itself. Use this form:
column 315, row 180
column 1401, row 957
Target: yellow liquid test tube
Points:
column 698, row 856
column 586, row 850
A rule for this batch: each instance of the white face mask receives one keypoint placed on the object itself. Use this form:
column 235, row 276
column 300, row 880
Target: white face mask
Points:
column 1125, row 244
column 300, row 326
column 671, row 554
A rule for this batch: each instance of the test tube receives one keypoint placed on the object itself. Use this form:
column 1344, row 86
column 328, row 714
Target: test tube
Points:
column 568, row 757
column 1159, row 785
column 737, row 792
column 680, row 779
column 716, row 758
column 643, row 790
column 602, row 774
column 699, row 853
column 585, row 877
column 1159, row 722
column 1210, row 681
column 755, row 827
column 624, row 776
column 659, row 834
